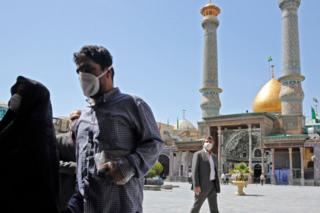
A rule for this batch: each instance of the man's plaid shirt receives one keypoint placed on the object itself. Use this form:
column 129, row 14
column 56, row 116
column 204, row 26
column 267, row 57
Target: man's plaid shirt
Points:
column 117, row 122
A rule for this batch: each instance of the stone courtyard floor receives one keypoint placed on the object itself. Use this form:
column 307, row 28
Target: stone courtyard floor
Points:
column 267, row 198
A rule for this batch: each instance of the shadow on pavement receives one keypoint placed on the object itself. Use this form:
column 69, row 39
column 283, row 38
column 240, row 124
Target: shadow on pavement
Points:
column 253, row 195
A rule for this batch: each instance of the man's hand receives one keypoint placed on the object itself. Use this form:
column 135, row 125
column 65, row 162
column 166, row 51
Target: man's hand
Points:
column 197, row 190
column 112, row 170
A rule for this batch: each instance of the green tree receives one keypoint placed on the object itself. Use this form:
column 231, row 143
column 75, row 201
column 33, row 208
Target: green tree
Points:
column 155, row 170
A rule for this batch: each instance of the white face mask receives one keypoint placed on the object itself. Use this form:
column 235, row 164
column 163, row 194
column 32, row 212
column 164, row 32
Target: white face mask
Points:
column 208, row 146
column 90, row 83
column 15, row 102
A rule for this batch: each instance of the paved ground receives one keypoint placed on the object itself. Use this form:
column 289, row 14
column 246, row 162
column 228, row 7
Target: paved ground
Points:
column 259, row 199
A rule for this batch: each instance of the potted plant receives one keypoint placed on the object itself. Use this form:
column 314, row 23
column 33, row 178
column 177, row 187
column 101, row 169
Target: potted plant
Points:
column 240, row 177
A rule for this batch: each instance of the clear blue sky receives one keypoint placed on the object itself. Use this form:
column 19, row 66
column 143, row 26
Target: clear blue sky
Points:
column 157, row 48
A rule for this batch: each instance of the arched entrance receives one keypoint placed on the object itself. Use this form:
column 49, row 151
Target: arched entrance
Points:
column 256, row 173
column 165, row 162
column 235, row 148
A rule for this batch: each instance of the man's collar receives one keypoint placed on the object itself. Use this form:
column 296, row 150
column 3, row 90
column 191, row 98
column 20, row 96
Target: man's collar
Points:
column 107, row 96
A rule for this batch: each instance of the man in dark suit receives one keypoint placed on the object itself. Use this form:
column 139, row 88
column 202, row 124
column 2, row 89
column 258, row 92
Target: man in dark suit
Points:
column 205, row 178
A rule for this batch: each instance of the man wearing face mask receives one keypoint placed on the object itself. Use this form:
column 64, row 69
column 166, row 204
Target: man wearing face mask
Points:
column 205, row 179
column 117, row 139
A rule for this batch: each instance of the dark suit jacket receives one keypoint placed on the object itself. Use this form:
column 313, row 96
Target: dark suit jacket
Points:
column 201, row 171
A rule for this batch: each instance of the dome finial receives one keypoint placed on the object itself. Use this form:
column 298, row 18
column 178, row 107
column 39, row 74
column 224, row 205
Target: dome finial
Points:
column 271, row 66
column 272, row 71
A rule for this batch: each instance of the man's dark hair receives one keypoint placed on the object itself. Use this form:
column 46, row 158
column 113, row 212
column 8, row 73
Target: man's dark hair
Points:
column 97, row 54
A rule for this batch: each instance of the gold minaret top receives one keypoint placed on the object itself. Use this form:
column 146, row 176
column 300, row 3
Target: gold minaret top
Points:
column 267, row 99
column 210, row 10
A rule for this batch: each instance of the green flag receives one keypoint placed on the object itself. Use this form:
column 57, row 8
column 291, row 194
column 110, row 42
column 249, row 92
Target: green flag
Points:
column 269, row 59
column 313, row 114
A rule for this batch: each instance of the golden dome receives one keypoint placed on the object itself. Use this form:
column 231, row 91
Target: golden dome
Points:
column 267, row 99
column 210, row 9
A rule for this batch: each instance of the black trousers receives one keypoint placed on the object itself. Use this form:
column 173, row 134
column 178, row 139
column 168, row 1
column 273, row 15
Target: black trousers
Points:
column 209, row 194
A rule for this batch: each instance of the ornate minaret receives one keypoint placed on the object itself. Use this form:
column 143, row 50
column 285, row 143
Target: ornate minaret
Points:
column 291, row 93
column 210, row 103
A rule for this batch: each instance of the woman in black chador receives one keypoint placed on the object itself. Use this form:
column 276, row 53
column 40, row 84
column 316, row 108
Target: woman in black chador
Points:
column 28, row 159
